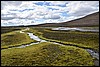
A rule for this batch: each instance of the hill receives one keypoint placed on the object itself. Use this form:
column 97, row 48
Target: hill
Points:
column 89, row 20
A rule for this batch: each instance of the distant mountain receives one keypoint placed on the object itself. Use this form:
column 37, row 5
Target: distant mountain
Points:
column 89, row 20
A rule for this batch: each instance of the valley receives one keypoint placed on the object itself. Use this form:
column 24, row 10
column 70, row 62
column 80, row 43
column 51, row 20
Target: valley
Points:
column 50, row 48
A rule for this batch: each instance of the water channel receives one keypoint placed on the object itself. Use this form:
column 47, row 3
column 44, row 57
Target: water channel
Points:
column 34, row 37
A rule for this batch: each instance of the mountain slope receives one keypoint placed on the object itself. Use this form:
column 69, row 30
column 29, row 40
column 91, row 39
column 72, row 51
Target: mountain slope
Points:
column 89, row 20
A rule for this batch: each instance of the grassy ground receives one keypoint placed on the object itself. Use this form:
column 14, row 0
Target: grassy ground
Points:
column 14, row 39
column 46, row 54
column 9, row 29
column 82, row 39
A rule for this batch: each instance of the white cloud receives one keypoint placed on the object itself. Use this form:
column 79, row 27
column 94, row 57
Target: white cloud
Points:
column 8, row 16
column 52, row 16
column 28, row 12
column 10, row 3
column 79, row 8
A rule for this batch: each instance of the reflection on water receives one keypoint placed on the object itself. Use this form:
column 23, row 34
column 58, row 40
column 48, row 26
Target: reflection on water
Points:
column 27, row 45
column 94, row 54
column 32, row 36
column 74, row 29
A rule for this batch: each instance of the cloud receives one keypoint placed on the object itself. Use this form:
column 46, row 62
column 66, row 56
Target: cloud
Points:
column 51, row 16
column 7, row 16
column 79, row 8
column 6, row 4
column 14, row 3
column 57, row 3
column 38, row 12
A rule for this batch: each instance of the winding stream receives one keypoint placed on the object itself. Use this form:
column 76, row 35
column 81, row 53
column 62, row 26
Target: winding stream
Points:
column 34, row 37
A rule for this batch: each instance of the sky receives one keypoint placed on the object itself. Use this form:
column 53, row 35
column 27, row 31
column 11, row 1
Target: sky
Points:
column 14, row 13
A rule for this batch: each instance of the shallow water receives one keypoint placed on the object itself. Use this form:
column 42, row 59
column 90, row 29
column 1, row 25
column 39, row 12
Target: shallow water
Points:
column 74, row 29
column 94, row 54
column 27, row 45
column 34, row 37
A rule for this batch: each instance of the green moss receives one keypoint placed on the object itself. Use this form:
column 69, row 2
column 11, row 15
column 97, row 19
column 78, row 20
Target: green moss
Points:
column 14, row 39
column 10, row 29
column 46, row 54
column 82, row 39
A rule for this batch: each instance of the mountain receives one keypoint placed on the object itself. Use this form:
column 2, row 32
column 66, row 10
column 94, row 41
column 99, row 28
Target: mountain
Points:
column 89, row 20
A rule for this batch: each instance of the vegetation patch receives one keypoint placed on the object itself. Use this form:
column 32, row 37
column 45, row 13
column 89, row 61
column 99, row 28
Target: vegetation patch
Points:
column 12, row 39
column 82, row 39
column 46, row 54
column 10, row 29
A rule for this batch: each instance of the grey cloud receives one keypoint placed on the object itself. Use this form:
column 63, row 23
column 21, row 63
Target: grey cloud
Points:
column 41, row 13
column 52, row 17
column 13, row 16
column 55, row 17
column 7, row 17
column 32, row 21
column 25, row 18
column 3, row 4
column 83, row 11
column 2, row 7
column 14, row 3
column 11, row 23
column 83, row 8
column 10, row 18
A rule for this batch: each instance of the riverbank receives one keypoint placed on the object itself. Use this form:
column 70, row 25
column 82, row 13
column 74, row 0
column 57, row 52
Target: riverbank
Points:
column 71, row 61
column 91, row 51
column 46, row 54
column 14, row 39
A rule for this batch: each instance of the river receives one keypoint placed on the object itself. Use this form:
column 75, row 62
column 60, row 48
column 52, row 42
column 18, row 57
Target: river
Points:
column 91, row 52
column 34, row 37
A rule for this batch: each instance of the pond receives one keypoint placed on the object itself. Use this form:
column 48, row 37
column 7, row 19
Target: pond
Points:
column 75, row 29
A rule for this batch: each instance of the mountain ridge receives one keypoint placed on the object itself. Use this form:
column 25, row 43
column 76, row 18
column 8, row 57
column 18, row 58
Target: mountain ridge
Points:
column 89, row 20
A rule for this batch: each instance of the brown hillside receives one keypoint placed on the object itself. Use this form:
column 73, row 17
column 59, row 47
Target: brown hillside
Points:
column 89, row 20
